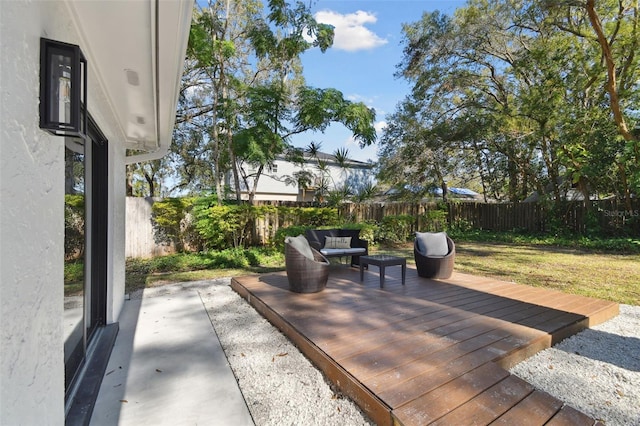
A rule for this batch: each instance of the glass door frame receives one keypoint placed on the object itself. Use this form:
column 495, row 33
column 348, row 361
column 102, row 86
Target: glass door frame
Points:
column 96, row 204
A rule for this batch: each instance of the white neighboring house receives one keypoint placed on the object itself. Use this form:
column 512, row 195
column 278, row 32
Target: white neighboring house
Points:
column 277, row 181
column 134, row 54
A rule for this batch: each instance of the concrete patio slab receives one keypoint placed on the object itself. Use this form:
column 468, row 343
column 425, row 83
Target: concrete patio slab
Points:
column 168, row 368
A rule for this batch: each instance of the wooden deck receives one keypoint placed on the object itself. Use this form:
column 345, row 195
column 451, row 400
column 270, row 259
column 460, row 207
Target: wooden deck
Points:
column 431, row 351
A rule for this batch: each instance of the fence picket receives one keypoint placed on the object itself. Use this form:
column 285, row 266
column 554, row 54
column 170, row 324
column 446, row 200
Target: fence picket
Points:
column 611, row 216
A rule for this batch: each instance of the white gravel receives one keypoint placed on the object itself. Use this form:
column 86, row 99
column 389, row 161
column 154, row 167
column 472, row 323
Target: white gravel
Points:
column 596, row 371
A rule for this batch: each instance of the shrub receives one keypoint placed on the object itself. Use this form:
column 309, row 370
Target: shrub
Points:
column 395, row 229
column 224, row 226
column 312, row 217
column 367, row 230
column 173, row 224
column 73, row 272
column 73, row 226
column 289, row 231
column 434, row 220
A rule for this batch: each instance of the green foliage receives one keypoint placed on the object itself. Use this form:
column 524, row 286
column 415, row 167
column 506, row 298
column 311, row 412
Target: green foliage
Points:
column 596, row 244
column 317, row 216
column 73, row 226
column 231, row 258
column 225, row 226
column 395, row 229
column 367, row 230
column 194, row 224
column 317, row 108
column 434, row 220
column 289, row 231
column 516, row 96
column 172, row 223
column 73, row 272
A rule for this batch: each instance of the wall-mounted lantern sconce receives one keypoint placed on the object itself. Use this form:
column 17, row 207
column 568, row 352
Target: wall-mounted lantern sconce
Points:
column 63, row 88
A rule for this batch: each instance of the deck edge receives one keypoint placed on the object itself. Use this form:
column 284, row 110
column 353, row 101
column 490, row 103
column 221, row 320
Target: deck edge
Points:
column 368, row 402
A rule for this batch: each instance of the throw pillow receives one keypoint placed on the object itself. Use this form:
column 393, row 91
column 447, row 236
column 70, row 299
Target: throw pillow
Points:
column 432, row 243
column 301, row 244
column 337, row 242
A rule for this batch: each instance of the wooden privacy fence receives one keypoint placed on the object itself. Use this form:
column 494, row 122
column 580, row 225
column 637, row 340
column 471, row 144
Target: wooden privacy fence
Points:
column 140, row 238
column 609, row 217
column 499, row 217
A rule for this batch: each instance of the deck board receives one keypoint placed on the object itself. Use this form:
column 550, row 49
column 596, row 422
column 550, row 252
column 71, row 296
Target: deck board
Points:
column 429, row 351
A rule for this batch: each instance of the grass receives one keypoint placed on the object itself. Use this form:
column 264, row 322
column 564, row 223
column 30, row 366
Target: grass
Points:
column 603, row 268
column 608, row 276
column 141, row 273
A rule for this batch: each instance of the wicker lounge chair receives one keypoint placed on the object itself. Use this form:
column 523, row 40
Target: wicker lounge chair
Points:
column 435, row 266
column 305, row 275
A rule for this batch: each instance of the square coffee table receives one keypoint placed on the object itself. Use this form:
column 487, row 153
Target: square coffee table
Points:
column 382, row 261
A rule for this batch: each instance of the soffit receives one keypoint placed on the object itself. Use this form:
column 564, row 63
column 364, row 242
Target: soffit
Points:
column 139, row 74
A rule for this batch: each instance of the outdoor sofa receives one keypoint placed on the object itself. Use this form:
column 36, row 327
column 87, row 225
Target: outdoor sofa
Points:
column 338, row 243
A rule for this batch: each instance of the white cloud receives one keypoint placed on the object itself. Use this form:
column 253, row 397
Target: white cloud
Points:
column 368, row 101
column 380, row 126
column 350, row 33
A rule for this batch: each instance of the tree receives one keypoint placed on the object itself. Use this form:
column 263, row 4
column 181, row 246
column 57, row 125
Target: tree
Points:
column 243, row 94
column 281, row 106
column 145, row 179
column 217, row 67
column 517, row 93
column 613, row 27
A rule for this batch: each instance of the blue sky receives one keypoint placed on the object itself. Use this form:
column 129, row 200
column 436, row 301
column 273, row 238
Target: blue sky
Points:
column 362, row 61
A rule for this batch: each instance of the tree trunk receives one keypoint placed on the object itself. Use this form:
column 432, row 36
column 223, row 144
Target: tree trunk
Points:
column 612, row 85
column 128, row 180
column 612, row 89
column 151, row 183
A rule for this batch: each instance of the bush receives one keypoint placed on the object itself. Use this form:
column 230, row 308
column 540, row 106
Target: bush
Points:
column 289, row 231
column 225, row 226
column 395, row 229
column 367, row 230
column 173, row 224
column 434, row 220
column 313, row 217
column 73, row 272
column 73, row 226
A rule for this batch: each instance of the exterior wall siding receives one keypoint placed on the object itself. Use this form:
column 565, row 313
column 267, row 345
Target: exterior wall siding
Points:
column 272, row 186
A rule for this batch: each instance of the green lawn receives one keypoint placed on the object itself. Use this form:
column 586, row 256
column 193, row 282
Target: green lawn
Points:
column 613, row 277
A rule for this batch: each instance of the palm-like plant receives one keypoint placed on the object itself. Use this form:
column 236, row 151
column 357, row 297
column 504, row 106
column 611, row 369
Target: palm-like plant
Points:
column 365, row 192
column 304, row 179
column 339, row 195
column 314, row 148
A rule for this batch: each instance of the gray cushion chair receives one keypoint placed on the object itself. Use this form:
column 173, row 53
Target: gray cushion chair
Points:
column 307, row 269
column 434, row 253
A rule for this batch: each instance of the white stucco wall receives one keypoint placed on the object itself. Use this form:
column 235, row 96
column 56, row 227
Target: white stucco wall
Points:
column 116, row 238
column 32, row 226
column 32, row 218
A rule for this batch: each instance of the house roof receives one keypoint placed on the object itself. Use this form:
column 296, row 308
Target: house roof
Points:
column 137, row 49
column 331, row 159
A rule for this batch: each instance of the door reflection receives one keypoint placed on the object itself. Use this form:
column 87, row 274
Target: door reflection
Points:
column 74, row 251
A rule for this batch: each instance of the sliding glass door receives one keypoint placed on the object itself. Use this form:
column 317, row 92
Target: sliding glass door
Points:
column 85, row 277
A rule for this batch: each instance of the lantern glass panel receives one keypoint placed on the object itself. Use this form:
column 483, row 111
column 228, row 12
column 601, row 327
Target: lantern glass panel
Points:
column 60, row 86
